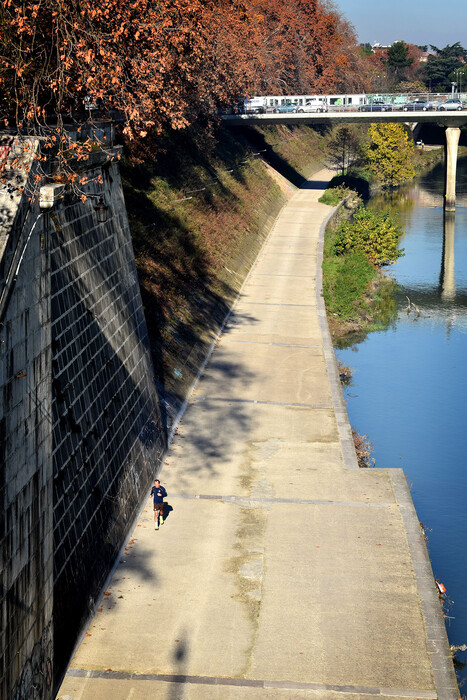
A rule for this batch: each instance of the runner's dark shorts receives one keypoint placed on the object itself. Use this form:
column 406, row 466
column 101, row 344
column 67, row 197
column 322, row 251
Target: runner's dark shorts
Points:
column 159, row 507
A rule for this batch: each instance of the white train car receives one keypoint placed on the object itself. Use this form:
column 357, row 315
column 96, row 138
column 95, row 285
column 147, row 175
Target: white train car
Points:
column 291, row 103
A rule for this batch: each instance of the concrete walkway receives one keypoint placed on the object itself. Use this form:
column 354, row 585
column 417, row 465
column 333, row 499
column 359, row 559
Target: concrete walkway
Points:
column 282, row 570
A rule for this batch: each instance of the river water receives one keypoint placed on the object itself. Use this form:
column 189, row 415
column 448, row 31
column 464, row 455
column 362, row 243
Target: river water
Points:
column 409, row 386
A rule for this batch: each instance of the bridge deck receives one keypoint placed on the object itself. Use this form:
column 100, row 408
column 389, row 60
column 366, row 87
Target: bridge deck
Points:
column 283, row 571
column 447, row 119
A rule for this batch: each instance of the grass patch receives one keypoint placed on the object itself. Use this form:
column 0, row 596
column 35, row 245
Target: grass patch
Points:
column 425, row 159
column 346, row 279
column 333, row 195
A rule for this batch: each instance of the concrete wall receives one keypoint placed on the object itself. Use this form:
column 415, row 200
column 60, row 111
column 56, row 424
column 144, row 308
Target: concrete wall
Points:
column 80, row 425
column 26, row 537
column 107, row 434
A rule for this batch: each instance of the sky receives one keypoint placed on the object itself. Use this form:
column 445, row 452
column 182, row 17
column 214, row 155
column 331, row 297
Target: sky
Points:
column 437, row 22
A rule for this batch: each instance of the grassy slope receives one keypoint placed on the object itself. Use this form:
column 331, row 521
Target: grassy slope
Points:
column 193, row 255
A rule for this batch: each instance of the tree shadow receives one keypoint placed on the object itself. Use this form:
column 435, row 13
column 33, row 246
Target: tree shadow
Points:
column 176, row 689
column 174, row 267
column 258, row 141
column 314, row 185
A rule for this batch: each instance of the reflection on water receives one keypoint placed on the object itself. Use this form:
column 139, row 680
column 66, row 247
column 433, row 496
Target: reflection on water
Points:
column 447, row 278
column 409, row 386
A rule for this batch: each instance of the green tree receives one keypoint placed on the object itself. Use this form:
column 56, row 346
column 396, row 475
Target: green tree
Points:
column 372, row 233
column 398, row 56
column 389, row 153
column 344, row 147
column 438, row 68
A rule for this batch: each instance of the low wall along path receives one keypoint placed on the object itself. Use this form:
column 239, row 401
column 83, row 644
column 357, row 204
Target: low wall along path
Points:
column 282, row 570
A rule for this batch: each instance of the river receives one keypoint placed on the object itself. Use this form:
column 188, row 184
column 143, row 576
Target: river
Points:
column 408, row 391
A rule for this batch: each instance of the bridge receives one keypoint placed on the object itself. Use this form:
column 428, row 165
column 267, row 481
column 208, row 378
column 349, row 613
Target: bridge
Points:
column 450, row 121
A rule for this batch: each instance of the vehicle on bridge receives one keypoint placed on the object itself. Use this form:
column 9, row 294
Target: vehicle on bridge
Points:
column 417, row 106
column 313, row 107
column 255, row 105
column 375, row 107
column 453, row 103
column 285, row 108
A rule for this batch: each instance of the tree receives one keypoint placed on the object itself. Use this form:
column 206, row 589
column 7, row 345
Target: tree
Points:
column 299, row 47
column 411, row 86
column 389, row 153
column 343, row 147
column 438, row 68
column 398, row 56
column 159, row 65
column 373, row 72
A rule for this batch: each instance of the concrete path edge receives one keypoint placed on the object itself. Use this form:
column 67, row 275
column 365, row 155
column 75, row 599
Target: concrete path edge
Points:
column 340, row 409
column 437, row 639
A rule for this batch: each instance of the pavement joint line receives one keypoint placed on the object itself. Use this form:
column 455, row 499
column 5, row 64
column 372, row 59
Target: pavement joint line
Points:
column 275, row 303
column 250, row 683
column 271, row 274
column 296, row 501
column 263, row 403
column 262, row 342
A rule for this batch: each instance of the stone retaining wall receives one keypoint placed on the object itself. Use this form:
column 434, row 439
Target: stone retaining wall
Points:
column 80, row 426
column 26, row 538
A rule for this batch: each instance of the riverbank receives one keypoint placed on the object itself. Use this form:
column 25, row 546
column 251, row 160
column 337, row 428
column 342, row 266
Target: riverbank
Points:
column 363, row 298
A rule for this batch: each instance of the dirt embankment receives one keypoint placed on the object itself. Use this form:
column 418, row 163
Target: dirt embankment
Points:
column 199, row 214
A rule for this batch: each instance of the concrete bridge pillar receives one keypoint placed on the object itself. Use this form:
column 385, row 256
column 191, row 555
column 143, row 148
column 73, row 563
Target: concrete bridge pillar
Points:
column 452, row 142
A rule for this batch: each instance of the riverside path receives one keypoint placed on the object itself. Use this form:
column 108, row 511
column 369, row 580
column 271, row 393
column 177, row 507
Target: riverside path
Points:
column 282, row 571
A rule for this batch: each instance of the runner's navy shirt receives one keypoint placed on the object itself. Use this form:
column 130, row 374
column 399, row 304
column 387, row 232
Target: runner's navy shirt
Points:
column 159, row 494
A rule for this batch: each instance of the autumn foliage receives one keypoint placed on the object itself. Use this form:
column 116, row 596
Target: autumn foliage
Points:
column 161, row 63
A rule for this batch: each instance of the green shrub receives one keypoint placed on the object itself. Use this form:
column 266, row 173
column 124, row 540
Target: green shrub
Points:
column 374, row 234
column 333, row 195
